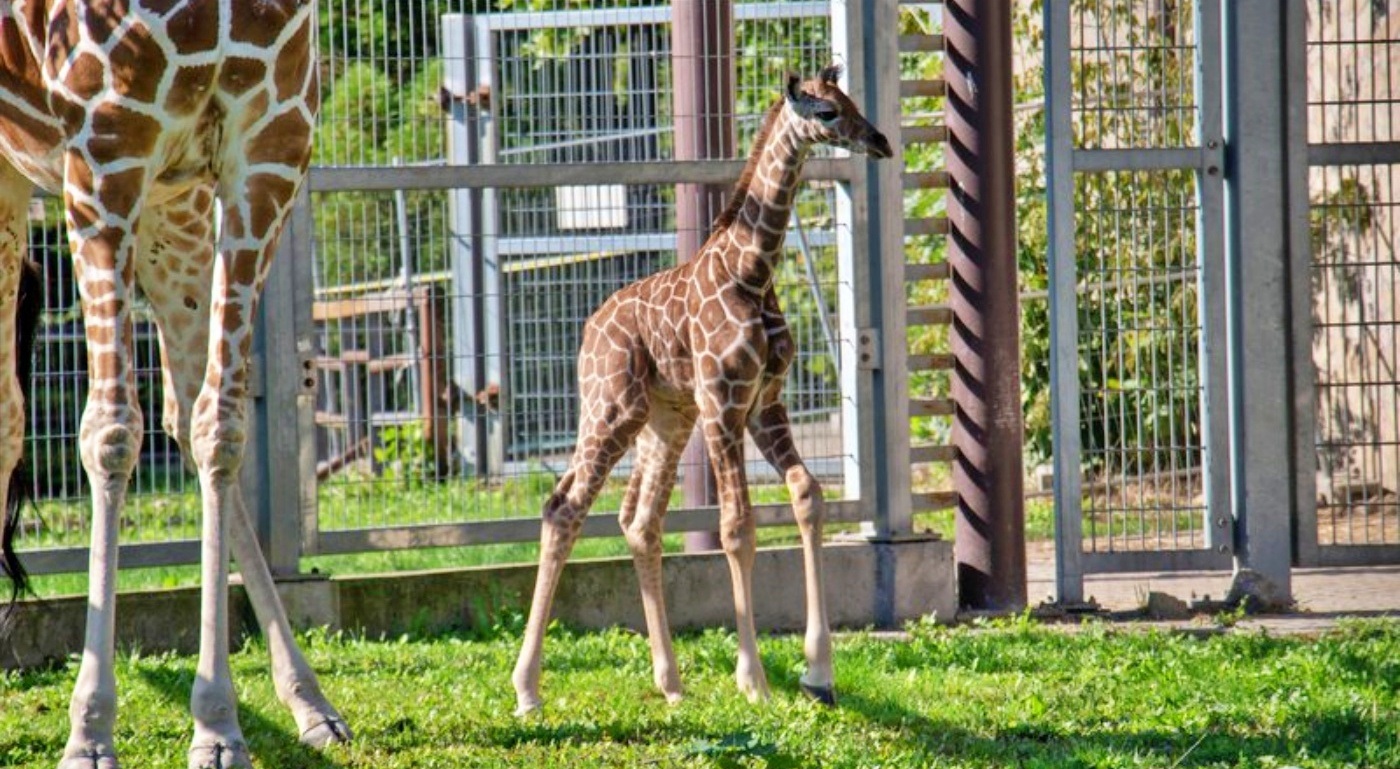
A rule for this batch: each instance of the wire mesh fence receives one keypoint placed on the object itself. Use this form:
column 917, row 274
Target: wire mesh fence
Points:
column 1354, row 70
column 1138, row 265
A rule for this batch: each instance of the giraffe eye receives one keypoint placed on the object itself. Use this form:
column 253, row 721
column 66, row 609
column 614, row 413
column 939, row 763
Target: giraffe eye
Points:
column 826, row 115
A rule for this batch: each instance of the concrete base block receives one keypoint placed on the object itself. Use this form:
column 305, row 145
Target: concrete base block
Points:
column 867, row 585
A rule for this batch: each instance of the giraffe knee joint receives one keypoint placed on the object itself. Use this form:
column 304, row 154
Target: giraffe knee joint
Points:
column 219, row 450
column 110, row 449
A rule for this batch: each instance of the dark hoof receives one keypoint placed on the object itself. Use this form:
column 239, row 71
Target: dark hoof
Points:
column 328, row 732
column 826, row 695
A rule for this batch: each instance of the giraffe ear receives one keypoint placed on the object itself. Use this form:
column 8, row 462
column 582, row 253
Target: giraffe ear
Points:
column 831, row 74
column 794, row 91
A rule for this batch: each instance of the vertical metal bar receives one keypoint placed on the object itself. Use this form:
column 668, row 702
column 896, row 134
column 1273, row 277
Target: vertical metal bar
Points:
column 989, row 546
column 1210, row 248
column 883, row 248
column 493, row 304
column 466, row 240
column 854, row 311
column 279, row 468
column 702, row 55
column 1259, row 340
column 1064, row 318
column 1304, row 373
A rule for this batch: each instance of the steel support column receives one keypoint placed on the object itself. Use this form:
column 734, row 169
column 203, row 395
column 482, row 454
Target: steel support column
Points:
column 987, row 431
column 702, row 52
column 1258, row 254
column 278, row 477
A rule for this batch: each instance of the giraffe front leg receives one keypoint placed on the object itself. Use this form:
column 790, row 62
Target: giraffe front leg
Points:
column 724, row 435
column 773, row 436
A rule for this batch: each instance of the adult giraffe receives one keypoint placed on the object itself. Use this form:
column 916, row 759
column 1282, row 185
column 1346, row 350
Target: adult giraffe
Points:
column 140, row 114
column 704, row 340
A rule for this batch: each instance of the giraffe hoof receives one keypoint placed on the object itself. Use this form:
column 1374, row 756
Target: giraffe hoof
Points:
column 527, row 708
column 674, row 698
column 826, row 695
column 93, row 758
column 220, row 755
column 330, row 731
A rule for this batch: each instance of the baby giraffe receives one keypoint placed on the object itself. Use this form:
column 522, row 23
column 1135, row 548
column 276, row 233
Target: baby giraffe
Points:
column 704, row 340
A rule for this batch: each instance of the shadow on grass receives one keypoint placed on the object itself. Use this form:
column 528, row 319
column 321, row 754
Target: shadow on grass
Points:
column 1037, row 745
column 269, row 743
column 724, row 749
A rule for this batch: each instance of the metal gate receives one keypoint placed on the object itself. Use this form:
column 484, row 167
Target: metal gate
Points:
column 1222, row 284
column 1136, row 280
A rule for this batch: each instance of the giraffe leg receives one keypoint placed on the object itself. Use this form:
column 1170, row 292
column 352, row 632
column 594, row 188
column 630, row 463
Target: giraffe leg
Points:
column 181, row 307
column 101, row 225
column 724, row 439
column 659, row 449
column 610, row 422
column 771, row 432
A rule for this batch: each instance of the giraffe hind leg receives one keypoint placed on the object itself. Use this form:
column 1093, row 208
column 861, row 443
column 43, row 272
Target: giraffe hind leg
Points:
column 180, row 303
column 612, row 416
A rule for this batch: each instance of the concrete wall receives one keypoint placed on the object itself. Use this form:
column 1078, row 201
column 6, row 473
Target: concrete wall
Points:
column 592, row 594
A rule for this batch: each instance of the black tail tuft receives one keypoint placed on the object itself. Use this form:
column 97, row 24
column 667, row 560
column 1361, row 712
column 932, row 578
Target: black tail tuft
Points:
column 30, row 305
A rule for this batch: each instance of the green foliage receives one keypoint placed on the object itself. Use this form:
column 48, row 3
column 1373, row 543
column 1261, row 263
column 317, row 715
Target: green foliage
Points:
column 405, row 456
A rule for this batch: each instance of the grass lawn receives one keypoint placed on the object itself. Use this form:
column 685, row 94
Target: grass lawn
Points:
column 999, row 695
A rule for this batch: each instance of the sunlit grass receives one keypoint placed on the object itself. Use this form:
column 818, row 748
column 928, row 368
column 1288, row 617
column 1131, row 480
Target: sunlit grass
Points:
column 1010, row 694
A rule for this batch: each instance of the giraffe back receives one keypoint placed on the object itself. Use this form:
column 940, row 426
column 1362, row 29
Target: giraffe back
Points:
column 176, row 82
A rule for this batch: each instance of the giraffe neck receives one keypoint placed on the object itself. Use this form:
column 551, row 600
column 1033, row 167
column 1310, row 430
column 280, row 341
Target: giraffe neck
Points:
column 751, row 231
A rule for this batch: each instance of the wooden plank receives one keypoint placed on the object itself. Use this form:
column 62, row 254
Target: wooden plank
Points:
column 921, row 43
column 934, row 500
column 930, row 315
column 926, row 226
column 925, row 180
column 917, row 272
column 913, row 89
column 923, row 134
column 938, row 361
column 929, row 452
column 931, row 407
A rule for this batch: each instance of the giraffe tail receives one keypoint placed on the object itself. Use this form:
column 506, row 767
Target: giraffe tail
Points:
column 31, row 303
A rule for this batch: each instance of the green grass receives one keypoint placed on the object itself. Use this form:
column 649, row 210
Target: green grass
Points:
column 1003, row 695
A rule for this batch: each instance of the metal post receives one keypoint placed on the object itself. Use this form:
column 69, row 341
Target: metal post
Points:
column 987, row 431
column 279, row 470
column 476, row 330
column 702, row 52
column 1064, row 319
column 1258, row 173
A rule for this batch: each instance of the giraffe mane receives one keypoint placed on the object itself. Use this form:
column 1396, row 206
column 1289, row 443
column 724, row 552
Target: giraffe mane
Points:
column 741, row 188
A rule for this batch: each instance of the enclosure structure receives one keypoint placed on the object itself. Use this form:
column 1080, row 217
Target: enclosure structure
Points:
column 1223, row 285
column 482, row 179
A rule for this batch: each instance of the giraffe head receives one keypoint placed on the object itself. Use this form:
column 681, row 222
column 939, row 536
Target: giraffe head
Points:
column 828, row 116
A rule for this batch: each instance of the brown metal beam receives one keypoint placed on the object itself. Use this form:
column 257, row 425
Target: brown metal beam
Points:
column 987, row 474
column 702, row 52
